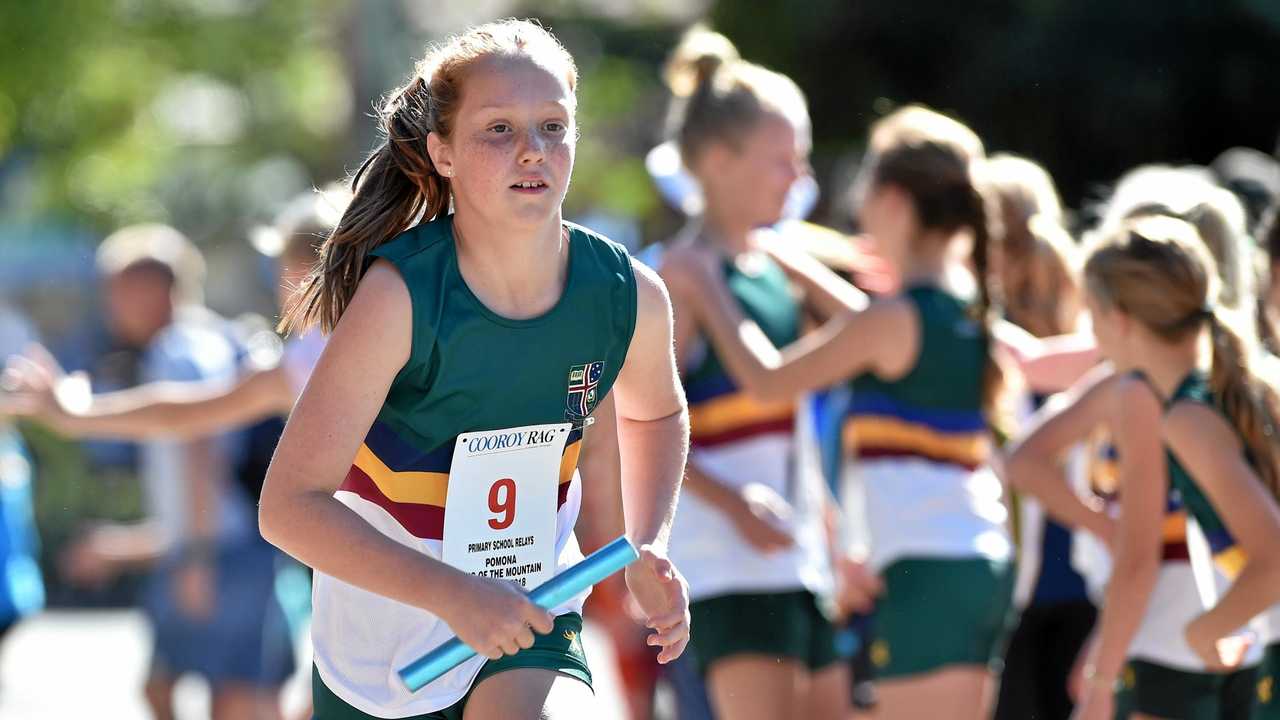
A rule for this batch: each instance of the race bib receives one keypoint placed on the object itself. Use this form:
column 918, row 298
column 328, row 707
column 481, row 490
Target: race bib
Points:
column 500, row 511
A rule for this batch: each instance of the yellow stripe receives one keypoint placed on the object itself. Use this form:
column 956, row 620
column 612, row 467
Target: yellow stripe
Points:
column 1175, row 527
column 569, row 462
column 1231, row 561
column 426, row 488
column 732, row 411
column 423, row 488
column 967, row 448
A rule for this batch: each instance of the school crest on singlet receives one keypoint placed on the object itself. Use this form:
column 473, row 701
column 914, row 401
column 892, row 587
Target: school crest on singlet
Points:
column 582, row 395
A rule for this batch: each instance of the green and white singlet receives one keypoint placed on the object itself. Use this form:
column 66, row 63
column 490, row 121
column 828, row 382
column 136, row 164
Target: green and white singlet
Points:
column 742, row 441
column 920, row 446
column 1224, row 558
column 433, row 475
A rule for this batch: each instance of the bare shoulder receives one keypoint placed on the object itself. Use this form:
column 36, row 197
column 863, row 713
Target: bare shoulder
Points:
column 687, row 266
column 383, row 287
column 1191, row 427
column 1134, row 400
column 889, row 312
column 380, row 315
column 893, row 323
column 653, row 302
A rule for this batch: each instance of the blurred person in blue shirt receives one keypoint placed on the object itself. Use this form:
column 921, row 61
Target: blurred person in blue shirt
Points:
column 210, row 597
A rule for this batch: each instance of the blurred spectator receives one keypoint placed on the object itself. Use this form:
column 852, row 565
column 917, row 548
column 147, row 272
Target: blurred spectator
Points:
column 210, row 598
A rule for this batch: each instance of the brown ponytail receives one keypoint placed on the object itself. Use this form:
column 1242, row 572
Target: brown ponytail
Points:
column 398, row 185
column 935, row 160
column 979, row 218
column 1247, row 400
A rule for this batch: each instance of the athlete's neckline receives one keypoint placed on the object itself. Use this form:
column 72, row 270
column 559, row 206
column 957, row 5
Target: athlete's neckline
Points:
column 503, row 320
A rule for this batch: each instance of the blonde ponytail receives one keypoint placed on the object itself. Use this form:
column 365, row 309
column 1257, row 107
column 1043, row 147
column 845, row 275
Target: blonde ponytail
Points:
column 1247, row 400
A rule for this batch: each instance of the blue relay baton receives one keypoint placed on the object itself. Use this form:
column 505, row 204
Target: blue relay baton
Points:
column 592, row 569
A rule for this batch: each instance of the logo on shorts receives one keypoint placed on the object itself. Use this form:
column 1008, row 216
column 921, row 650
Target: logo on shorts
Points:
column 584, row 381
column 572, row 637
column 1265, row 689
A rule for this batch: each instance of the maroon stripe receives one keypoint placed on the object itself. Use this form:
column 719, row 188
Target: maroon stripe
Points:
column 1175, row 551
column 562, row 494
column 876, row 453
column 767, row 427
column 422, row 521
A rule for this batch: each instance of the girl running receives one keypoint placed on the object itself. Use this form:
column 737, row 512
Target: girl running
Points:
column 749, row 530
column 925, row 387
column 466, row 353
column 1180, row 369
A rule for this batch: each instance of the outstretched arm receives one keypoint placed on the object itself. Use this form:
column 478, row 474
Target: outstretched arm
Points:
column 1049, row 364
column 881, row 338
column 829, row 293
column 184, row 409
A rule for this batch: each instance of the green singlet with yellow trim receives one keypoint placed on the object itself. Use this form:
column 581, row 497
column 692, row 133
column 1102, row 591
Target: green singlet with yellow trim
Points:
column 469, row 370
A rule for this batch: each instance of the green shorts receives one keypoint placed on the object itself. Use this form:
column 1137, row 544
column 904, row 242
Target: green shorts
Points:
column 1268, row 686
column 937, row 612
column 560, row 650
column 1163, row 692
column 785, row 624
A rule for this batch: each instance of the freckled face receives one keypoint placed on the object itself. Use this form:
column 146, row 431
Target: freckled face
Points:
column 512, row 149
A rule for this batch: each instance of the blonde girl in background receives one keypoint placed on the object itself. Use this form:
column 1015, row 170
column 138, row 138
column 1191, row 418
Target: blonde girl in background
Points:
column 749, row 530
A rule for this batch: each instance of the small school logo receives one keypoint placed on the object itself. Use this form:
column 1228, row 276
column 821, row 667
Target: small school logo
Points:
column 583, row 383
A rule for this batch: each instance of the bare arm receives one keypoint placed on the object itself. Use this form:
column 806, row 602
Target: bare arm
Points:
column 1035, row 464
column 1144, row 488
column 298, row 512
column 1049, row 364
column 653, row 436
column 841, row 348
column 653, row 421
column 1209, row 449
column 183, row 409
column 829, row 293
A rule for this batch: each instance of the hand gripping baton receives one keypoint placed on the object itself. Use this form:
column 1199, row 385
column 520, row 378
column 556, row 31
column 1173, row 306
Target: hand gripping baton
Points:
column 592, row 569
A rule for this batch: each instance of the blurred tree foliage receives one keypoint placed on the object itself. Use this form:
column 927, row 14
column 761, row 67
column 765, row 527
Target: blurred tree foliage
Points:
column 161, row 109
column 1088, row 87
